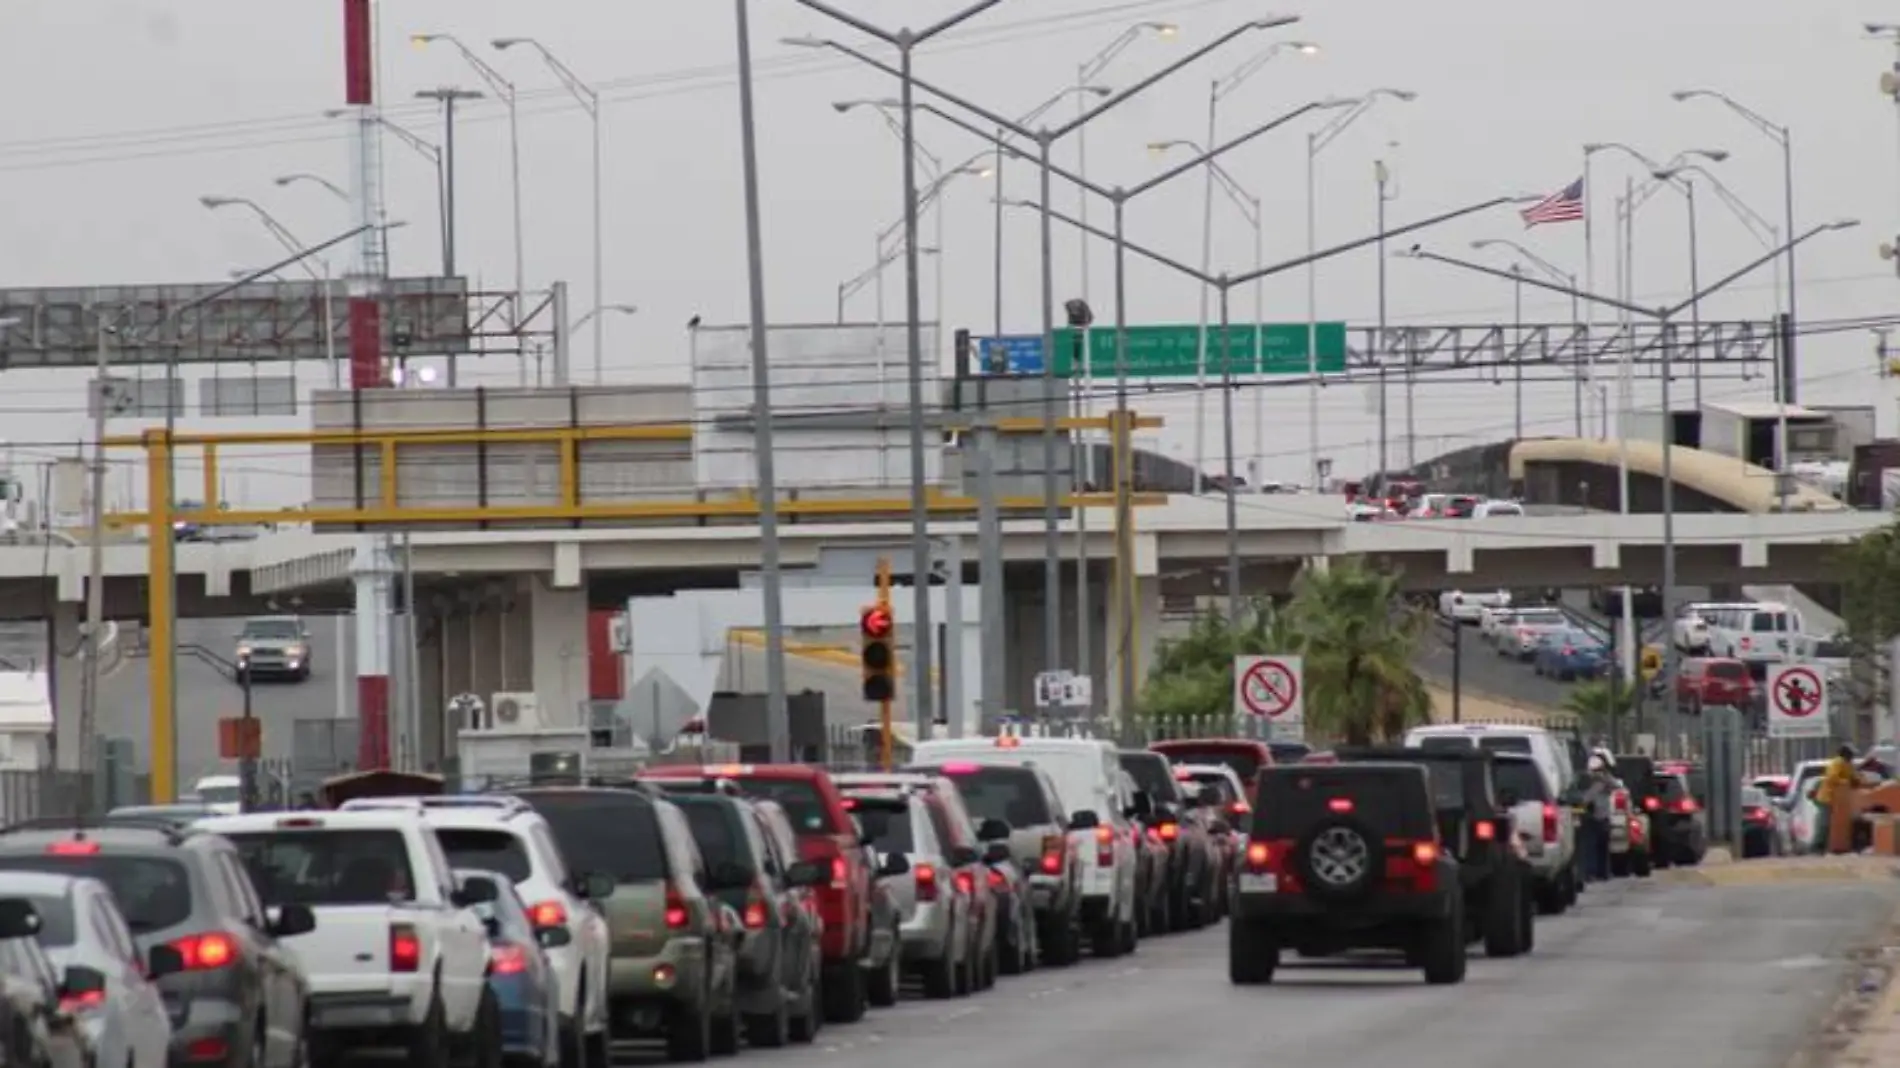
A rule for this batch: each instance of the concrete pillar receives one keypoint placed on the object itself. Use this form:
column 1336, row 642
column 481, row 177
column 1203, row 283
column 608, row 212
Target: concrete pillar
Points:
column 67, row 682
column 1146, row 642
column 456, row 654
column 432, row 737
column 486, row 646
column 371, row 576
column 557, row 644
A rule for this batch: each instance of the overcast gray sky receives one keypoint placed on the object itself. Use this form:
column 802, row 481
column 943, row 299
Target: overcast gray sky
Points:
column 125, row 111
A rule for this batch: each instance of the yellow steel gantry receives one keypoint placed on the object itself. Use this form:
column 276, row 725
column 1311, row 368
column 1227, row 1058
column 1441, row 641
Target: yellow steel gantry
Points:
column 160, row 454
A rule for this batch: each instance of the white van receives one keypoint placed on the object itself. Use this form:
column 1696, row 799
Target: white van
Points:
column 1548, row 751
column 1755, row 634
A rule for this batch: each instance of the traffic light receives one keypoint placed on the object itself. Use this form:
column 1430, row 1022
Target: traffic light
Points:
column 876, row 629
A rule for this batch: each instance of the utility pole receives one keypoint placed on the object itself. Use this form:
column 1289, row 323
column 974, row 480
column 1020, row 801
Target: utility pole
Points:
column 96, row 565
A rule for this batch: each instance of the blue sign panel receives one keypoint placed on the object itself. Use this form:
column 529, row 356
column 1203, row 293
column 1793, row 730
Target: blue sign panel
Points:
column 1014, row 354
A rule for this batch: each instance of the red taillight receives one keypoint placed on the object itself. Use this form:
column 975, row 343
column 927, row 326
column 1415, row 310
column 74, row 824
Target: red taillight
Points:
column 840, row 873
column 1550, row 822
column 547, row 914
column 75, row 847
column 966, row 884
column 677, row 915
column 1620, row 801
column 1239, row 808
column 1755, row 815
column 997, row 882
column 1687, row 806
column 1052, row 852
column 506, row 958
column 1339, row 804
column 1170, row 831
column 1104, row 845
column 405, row 949
column 202, row 952
column 78, row 1003
column 1413, row 865
column 1258, row 856
column 925, row 876
column 1650, row 804
column 1568, row 651
column 1425, row 853
column 756, row 911
column 1485, row 830
column 208, row 1048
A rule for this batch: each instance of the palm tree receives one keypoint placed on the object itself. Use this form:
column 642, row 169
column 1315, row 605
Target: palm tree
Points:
column 1192, row 679
column 1358, row 637
column 1599, row 703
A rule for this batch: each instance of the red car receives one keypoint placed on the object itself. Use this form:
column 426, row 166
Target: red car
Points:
column 828, row 835
column 1714, row 680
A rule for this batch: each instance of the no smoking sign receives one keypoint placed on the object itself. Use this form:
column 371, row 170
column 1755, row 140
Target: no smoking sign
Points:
column 1272, row 688
column 1797, row 702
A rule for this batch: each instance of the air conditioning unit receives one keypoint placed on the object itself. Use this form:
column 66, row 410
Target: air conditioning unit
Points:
column 471, row 713
column 516, row 712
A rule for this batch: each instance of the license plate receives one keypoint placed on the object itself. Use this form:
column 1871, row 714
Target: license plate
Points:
column 1259, row 884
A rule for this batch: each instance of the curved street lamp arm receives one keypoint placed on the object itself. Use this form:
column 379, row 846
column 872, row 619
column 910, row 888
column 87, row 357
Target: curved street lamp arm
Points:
column 1105, row 235
column 1753, row 265
column 1211, row 154
column 989, row 137
column 1538, row 283
column 1088, row 116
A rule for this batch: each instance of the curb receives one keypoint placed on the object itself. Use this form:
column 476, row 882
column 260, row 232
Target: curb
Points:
column 1851, row 869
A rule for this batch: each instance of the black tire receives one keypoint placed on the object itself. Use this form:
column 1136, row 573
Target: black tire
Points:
column 769, row 1030
column 1640, row 865
column 1528, row 935
column 1131, row 940
column 1347, row 851
column 844, row 992
column 1442, row 948
column 689, row 1033
column 597, row 1049
column 726, row 1033
column 940, row 976
column 429, row 1047
column 810, row 1017
column 1014, row 958
column 1620, row 863
column 1503, row 919
column 1253, row 953
column 485, row 1039
column 1061, row 942
column 1182, row 915
column 882, row 987
column 1105, row 938
column 1551, row 898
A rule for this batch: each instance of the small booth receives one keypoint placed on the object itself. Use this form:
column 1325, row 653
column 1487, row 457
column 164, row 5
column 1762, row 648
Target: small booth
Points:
column 379, row 783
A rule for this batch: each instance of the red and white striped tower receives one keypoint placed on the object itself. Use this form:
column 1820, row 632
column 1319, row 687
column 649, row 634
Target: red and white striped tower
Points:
column 372, row 571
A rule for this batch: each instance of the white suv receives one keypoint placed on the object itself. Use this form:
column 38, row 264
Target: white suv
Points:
column 507, row 836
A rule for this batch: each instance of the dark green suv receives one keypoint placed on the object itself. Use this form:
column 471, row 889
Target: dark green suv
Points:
column 1346, row 856
column 779, row 954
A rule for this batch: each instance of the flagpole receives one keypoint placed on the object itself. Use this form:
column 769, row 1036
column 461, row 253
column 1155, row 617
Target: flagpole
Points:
column 1586, row 363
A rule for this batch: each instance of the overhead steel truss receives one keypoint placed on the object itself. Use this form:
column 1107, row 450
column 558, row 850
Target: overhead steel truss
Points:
column 1719, row 349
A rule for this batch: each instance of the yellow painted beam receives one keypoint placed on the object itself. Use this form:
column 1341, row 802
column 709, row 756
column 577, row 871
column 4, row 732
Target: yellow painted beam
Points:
column 828, row 655
column 159, row 605
column 866, row 508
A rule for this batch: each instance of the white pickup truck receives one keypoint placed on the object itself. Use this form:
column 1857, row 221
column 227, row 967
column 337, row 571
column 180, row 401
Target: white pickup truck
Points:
column 398, row 960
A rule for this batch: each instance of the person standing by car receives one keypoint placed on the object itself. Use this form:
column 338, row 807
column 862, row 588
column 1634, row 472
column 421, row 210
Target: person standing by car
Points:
column 1840, row 775
column 1593, row 836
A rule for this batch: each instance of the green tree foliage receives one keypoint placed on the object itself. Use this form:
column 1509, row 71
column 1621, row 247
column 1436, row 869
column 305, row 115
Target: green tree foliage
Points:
column 1598, row 704
column 1358, row 637
column 1870, row 575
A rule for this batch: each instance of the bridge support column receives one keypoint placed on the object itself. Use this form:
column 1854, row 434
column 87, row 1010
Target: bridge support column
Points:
column 371, row 575
column 1140, row 645
column 66, row 669
column 433, row 733
column 557, row 640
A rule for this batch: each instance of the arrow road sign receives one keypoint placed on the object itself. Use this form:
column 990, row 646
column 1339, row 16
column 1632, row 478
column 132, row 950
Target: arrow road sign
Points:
column 1272, row 688
column 1797, row 702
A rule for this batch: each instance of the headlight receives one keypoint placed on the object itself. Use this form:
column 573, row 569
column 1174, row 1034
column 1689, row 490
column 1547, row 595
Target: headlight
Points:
column 243, row 651
column 294, row 651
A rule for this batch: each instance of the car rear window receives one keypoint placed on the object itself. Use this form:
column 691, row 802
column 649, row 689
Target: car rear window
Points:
column 604, row 832
column 1522, row 778
column 330, row 866
column 1151, row 774
column 1773, row 788
column 1392, row 799
column 1504, row 743
column 1671, row 788
column 1288, row 752
column 1766, row 621
column 486, row 849
column 1222, row 785
column 886, row 823
column 1727, row 669
column 153, row 893
column 56, row 919
column 1243, row 757
column 1442, row 742
column 714, row 830
column 800, row 798
column 1013, row 795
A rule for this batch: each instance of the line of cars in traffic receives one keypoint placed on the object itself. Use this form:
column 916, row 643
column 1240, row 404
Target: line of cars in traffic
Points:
column 704, row 909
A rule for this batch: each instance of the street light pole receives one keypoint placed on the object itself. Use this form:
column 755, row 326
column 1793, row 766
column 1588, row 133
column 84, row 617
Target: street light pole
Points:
column 589, row 100
column 1569, row 278
column 448, row 96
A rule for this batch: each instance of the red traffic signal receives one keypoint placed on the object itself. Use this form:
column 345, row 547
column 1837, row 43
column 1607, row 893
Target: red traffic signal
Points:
column 875, row 622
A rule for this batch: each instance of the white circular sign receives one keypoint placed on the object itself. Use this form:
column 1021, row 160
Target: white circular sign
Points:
column 1798, row 692
column 1269, row 689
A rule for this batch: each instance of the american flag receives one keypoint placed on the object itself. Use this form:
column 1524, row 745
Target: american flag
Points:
column 1565, row 205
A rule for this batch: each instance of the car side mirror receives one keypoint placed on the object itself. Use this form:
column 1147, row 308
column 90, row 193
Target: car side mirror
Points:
column 992, row 830
column 997, row 853
column 18, row 918
column 162, row 961
column 806, row 873
column 963, row 856
column 1084, row 820
column 474, row 892
column 80, row 980
column 595, row 886
column 893, row 864
column 293, row 920
column 553, row 937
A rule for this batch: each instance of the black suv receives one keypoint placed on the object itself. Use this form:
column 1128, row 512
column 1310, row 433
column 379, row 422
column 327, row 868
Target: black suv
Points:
column 1474, row 828
column 241, row 999
column 1679, row 831
column 1177, row 814
column 1346, row 856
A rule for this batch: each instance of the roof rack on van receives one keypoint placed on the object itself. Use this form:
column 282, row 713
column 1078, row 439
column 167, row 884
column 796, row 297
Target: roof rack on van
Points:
column 500, row 802
column 173, row 831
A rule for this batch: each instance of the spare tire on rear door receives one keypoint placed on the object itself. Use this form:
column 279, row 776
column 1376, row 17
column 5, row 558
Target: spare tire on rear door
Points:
column 1339, row 859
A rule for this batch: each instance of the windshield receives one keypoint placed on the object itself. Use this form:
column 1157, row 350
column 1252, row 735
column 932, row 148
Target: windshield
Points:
column 481, row 849
column 1243, row 757
column 56, row 919
column 278, row 630
column 1151, row 774
column 604, row 832
column 1521, row 778
column 1727, row 669
column 800, row 798
column 713, row 830
column 1221, row 784
column 154, row 894
column 886, row 824
column 1768, row 621
column 1013, row 795
column 328, row 866
column 1541, row 617
column 1504, row 743
column 220, row 795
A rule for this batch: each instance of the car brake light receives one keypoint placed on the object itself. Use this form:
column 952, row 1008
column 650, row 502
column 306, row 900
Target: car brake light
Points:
column 925, row 877
column 850, row 804
column 1170, row 831
column 1104, row 845
column 840, row 873
column 405, row 949
column 77, row 847
column 506, row 958
column 1052, row 850
column 1258, row 855
column 1650, row 804
column 1687, row 806
column 1754, row 814
column 74, row 1004
column 676, row 914
column 203, row 952
column 1485, row 830
column 548, row 914
column 1550, row 822
column 755, row 912
column 1239, row 808
column 1425, row 853
column 961, row 768
column 1620, row 800
column 966, row 884
column 1339, row 804
column 997, row 882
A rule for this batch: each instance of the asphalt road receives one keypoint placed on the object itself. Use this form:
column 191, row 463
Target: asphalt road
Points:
column 206, row 694
column 1643, row 973
column 1484, row 671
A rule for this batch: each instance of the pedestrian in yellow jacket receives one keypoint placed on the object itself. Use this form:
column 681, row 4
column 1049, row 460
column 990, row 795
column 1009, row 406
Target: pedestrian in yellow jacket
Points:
column 1840, row 775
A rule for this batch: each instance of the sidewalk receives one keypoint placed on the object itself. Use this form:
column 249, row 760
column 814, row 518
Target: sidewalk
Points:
column 1719, row 869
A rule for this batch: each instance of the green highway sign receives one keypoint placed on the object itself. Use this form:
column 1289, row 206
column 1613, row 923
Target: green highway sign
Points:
column 1174, row 351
